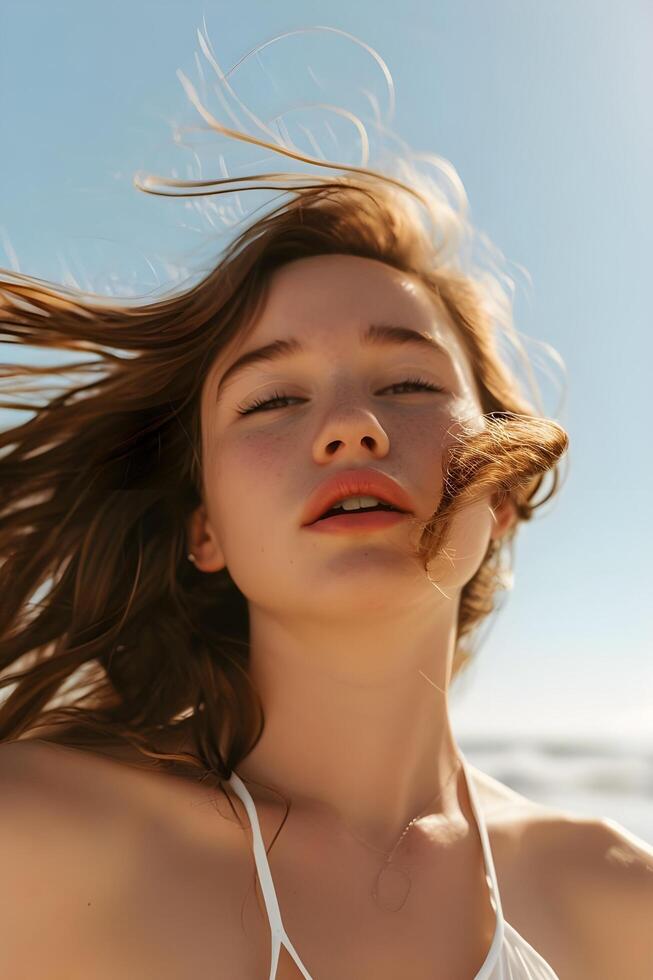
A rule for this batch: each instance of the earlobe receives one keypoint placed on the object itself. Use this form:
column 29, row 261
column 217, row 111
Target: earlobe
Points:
column 203, row 548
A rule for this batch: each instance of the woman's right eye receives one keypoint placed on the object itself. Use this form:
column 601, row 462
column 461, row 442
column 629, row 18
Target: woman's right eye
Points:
column 265, row 402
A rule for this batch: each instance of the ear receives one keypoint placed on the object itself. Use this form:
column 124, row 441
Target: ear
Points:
column 203, row 542
column 504, row 514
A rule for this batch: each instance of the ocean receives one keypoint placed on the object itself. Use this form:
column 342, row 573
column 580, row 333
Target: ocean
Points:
column 589, row 777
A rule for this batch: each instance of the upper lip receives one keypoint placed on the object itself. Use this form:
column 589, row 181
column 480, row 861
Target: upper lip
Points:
column 355, row 483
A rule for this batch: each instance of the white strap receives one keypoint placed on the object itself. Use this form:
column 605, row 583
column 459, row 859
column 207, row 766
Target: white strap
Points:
column 279, row 934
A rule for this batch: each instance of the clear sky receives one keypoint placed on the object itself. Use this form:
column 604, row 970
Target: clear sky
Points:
column 544, row 110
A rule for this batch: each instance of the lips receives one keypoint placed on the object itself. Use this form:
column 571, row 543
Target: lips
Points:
column 356, row 483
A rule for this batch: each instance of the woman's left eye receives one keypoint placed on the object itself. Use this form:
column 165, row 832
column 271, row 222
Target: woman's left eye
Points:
column 417, row 383
column 276, row 397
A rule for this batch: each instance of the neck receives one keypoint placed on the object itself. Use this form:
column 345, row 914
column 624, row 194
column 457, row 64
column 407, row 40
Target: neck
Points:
column 356, row 726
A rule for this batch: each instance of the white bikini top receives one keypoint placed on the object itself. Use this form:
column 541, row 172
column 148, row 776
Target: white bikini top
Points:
column 509, row 957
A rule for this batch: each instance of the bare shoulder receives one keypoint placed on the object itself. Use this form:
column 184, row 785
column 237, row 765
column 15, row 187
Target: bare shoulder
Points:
column 49, row 856
column 498, row 799
column 521, row 828
column 594, row 849
column 22, row 759
column 52, row 797
column 34, row 776
column 113, row 789
column 609, row 898
column 579, row 889
column 100, row 854
column 42, row 779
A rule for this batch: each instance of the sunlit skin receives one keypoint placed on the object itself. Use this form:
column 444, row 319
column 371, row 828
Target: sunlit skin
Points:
column 351, row 639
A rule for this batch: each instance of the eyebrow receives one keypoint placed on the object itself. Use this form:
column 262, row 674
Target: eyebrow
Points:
column 375, row 335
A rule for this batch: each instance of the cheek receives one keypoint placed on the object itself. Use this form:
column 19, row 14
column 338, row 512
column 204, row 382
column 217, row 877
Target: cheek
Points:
column 252, row 456
column 247, row 475
column 252, row 481
column 423, row 433
column 469, row 533
column 465, row 545
column 430, row 439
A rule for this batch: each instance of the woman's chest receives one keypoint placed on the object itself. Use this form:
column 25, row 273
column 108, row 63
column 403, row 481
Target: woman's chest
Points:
column 182, row 913
column 182, row 904
column 177, row 922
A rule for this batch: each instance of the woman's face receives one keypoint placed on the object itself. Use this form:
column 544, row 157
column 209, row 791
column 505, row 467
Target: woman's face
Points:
column 343, row 403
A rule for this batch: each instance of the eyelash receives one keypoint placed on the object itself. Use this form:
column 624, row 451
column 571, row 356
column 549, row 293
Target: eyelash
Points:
column 257, row 405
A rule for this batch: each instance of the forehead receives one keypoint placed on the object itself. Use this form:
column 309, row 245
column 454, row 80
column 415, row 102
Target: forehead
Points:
column 325, row 294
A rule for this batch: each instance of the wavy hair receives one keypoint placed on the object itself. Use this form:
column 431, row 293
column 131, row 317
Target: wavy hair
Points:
column 109, row 634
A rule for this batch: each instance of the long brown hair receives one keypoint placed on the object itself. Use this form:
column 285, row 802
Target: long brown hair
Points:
column 109, row 633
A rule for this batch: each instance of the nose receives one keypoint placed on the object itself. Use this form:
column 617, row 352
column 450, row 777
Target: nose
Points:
column 351, row 434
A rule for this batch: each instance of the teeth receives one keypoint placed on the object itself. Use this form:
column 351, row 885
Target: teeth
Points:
column 355, row 503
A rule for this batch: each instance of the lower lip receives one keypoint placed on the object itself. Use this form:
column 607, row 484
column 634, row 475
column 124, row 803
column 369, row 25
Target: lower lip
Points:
column 357, row 523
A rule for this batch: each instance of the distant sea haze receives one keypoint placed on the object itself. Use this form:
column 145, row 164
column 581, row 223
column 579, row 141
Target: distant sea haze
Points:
column 589, row 777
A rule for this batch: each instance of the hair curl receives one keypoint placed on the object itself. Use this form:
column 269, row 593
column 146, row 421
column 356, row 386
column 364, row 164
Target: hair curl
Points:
column 113, row 636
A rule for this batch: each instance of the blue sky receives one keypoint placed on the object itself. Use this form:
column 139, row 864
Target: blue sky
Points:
column 543, row 110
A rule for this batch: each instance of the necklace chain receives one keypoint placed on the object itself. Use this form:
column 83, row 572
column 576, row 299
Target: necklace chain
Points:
column 389, row 855
column 398, row 882
column 401, row 881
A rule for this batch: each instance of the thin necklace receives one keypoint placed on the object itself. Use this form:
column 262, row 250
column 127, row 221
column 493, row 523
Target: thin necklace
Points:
column 390, row 892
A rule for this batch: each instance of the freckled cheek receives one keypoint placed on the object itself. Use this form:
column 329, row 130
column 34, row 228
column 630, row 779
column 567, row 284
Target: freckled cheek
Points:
column 253, row 471
column 264, row 456
column 430, row 435
column 427, row 444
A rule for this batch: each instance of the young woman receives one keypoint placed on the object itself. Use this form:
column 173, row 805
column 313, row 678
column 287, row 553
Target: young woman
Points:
column 241, row 568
